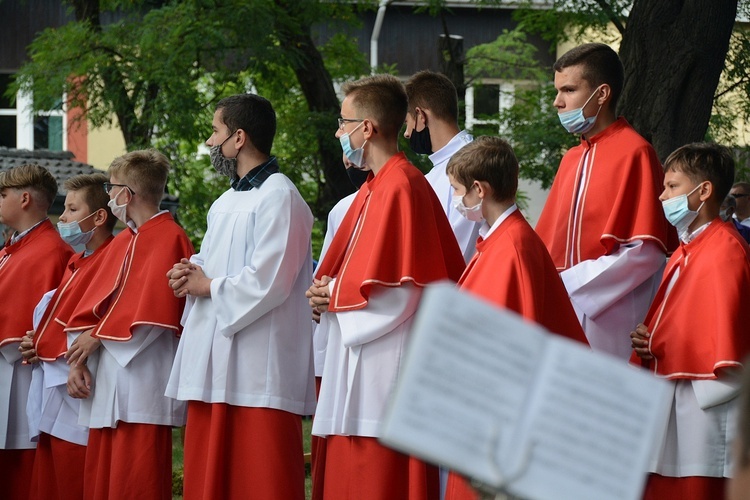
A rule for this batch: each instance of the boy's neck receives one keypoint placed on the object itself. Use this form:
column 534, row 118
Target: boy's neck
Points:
column 27, row 221
column 140, row 214
column 706, row 214
column 248, row 161
column 378, row 153
column 492, row 210
column 100, row 236
column 441, row 133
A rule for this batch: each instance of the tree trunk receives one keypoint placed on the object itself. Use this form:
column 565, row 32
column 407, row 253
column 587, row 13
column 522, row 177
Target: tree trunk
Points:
column 673, row 52
column 317, row 87
column 136, row 133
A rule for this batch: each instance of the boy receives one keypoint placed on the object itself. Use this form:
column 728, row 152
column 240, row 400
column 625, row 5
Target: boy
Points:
column 245, row 362
column 511, row 268
column 602, row 223
column 52, row 412
column 393, row 240
column 31, row 263
column 432, row 129
column 131, row 321
column 695, row 333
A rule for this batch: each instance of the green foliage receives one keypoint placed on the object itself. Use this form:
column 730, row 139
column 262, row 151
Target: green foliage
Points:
column 510, row 57
column 161, row 68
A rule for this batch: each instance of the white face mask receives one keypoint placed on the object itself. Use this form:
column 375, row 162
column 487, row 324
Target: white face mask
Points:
column 71, row 232
column 119, row 211
column 474, row 214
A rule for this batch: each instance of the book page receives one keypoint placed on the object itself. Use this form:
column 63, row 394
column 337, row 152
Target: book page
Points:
column 591, row 428
column 465, row 379
column 498, row 399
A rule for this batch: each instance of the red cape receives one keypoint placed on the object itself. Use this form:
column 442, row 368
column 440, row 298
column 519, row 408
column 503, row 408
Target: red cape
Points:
column 50, row 340
column 512, row 269
column 29, row 269
column 702, row 324
column 132, row 289
column 620, row 200
column 398, row 233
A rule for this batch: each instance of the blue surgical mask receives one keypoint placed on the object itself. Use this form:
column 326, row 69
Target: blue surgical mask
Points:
column 574, row 121
column 71, row 232
column 356, row 156
column 678, row 213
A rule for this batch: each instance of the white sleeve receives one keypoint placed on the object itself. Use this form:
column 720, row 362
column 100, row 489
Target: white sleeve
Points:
column 281, row 231
column 594, row 285
column 41, row 307
column 715, row 392
column 387, row 308
column 143, row 336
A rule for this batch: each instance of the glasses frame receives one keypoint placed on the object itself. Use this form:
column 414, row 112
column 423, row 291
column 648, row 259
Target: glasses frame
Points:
column 344, row 121
column 739, row 195
column 109, row 185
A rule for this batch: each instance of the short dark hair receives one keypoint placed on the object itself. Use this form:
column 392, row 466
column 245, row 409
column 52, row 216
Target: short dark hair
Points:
column 434, row 91
column 488, row 159
column 32, row 177
column 742, row 185
column 91, row 187
column 600, row 65
column 253, row 114
column 381, row 98
column 704, row 161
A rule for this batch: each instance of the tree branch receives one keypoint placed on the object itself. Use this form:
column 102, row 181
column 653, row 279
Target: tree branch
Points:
column 611, row 15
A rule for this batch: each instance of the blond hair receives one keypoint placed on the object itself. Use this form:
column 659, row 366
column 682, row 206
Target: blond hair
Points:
column 145, row 172
column 34, row 178
column 380, row 98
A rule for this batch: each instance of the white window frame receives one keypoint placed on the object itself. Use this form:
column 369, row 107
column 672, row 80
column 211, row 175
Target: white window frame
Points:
column 25, row 116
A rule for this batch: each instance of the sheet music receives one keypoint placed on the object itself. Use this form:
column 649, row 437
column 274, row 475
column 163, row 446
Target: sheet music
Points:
column 464, row 381
column 498, row 399
column 591, row 425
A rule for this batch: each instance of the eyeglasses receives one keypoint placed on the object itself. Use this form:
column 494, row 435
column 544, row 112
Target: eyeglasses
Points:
column 739, row 195
column 108, row 187
column 344, row 121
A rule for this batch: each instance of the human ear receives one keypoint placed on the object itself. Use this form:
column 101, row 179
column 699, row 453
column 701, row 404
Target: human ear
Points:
column 603, row 94
column 100, row 218
column 706, row 190
column 25, row 199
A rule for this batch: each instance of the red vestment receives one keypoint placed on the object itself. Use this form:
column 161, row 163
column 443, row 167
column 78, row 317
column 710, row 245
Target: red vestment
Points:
column 128, row 292
column 711, row 289
column 618, row 202
column 227, row 432
column 512, row 269
column 395, row 232
column 132, row 461
column 50, row 339
column 713, row 286
column 389, row 236
column 57, row 469
column 29, row 269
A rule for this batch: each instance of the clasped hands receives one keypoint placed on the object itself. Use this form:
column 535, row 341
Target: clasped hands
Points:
column 186, row 278
column 319, row 296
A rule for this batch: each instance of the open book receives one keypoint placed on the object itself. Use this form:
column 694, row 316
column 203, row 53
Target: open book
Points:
column 498, row 399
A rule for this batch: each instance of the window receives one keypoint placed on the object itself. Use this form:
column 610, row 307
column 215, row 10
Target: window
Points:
column 484, row 101
column 21, row 129
column 7, row 115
